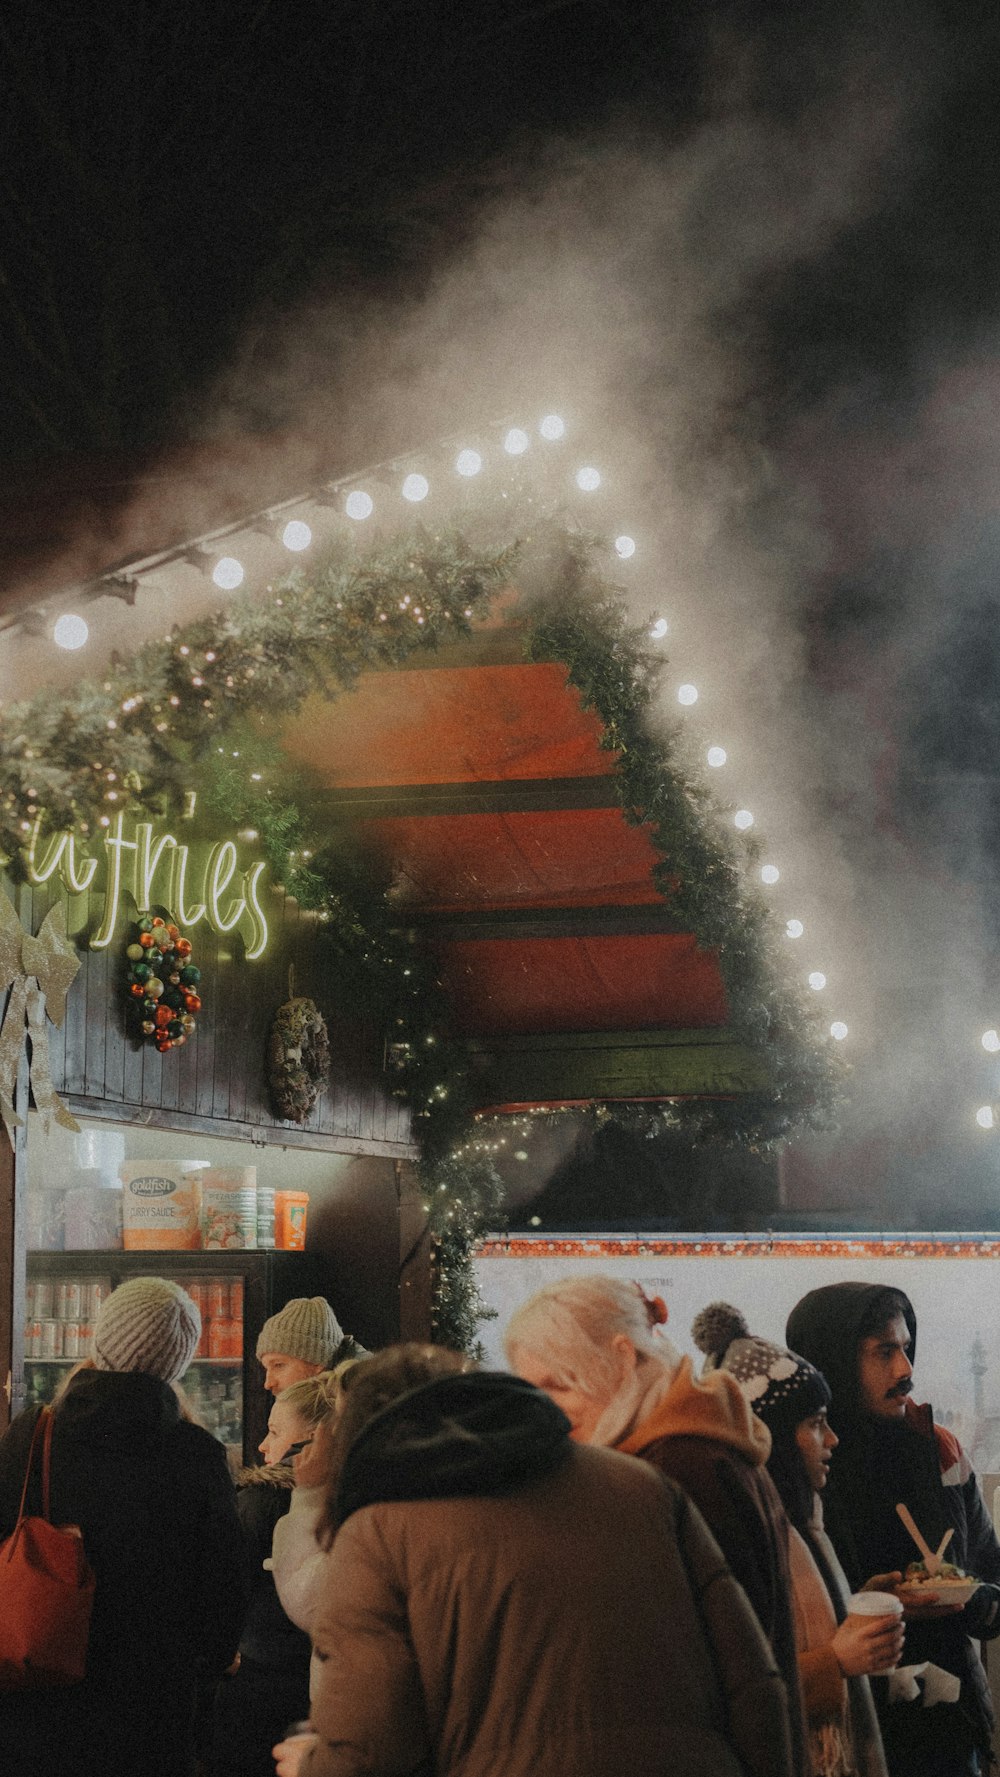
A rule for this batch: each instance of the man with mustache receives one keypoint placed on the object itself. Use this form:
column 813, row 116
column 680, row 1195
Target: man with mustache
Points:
column 863, row 1338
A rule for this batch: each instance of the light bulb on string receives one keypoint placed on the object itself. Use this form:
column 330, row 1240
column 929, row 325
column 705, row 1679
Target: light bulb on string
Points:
column 687, row 694
column 990, row 1041
column 516, row 442
column 468, row 463
column 984, row 1116
column 659, row 629
column 228, row 573
column 70, row 631
column 742, row 819
column 625, row 547
column 716, row 756
column 358, row 504
column 296, row 535
column 838, row 1031
column 794, row 928
column 552, row 427
column 817, row 980
column 415, row 488
column 770, row 874
column 588, row 479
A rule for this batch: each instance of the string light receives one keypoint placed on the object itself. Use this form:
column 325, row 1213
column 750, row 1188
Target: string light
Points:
column 70, row 631
column 358, row 504
column 716, row 756
column 552, row 427
column 817, row 980
column 794, row 928
column 984, row 1117
column 468, row 463
column 588, row 479
column 228, row 573
column 415, row 488
column 687, row 694
column 770, row 874
column 743, row 819
column 625, row 547
column 990, row 1041
column 659, row 629
column 516, row 442
column 838, row 1031
column 296, row 535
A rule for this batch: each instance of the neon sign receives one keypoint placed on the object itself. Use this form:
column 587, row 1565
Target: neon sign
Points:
column 208, row 886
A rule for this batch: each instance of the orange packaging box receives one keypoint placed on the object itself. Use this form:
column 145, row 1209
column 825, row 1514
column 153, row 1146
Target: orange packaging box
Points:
column 290, row 1211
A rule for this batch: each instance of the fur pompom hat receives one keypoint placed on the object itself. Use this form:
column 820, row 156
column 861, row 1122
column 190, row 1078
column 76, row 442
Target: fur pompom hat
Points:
column 782, row 1389
column 147, row 1324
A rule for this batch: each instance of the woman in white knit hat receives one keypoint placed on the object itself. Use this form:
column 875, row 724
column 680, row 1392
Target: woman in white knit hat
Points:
column 152, row 1496
column 302, row 1339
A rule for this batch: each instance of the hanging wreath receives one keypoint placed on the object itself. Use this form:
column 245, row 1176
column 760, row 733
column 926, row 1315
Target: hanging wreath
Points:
column 163, row 983
column 298, row 1059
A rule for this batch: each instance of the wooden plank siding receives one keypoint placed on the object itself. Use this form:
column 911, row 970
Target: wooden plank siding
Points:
column 217, row 1082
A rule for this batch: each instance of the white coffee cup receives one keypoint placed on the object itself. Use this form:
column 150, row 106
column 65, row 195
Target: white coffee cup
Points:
column 874, row 1604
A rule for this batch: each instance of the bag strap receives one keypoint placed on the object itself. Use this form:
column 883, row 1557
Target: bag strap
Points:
column 46, row 1461
column 44, row 1418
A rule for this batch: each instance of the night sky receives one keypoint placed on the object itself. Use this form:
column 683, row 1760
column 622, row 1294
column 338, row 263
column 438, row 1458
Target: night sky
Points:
column 191, row 192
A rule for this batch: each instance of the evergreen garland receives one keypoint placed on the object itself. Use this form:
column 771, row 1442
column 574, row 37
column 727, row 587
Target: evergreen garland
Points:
column 136, row 738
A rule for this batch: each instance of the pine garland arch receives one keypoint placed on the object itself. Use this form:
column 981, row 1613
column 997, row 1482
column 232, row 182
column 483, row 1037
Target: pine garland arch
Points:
column 135, row 737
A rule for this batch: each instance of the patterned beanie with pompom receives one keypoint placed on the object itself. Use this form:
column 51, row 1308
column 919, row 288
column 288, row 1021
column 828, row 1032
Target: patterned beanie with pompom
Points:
column 782, row 1389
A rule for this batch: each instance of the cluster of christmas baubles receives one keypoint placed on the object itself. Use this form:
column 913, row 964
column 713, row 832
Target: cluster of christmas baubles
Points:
column 163, row 983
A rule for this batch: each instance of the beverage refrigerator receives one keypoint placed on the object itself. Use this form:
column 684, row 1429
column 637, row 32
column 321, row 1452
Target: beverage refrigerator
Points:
column 236, row 1291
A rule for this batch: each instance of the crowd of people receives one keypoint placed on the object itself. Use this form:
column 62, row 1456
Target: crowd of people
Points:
column 598, row 1560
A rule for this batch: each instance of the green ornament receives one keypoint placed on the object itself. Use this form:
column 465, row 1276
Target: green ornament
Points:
column 175, row 1028
column 146, row 924
column 135, row 953
column 190, row 975
column 142, row 971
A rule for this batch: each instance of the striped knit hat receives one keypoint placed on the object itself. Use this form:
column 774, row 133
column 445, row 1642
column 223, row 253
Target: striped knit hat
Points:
column 305, row 1328
column 147, row 1324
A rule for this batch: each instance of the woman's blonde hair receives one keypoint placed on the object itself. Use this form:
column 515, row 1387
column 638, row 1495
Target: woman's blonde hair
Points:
column 571, row 1326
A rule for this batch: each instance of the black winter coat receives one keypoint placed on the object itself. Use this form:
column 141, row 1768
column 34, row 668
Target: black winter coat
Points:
column 156, row 1505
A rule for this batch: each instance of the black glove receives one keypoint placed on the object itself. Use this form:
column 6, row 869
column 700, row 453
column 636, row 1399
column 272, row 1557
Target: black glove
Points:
column 981, row 1616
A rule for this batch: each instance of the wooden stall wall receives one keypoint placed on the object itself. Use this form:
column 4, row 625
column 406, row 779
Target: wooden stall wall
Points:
column 217, row 1082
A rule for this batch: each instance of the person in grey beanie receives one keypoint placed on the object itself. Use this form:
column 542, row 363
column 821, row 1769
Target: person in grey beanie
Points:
column 302, row 1339
column 152, row 1495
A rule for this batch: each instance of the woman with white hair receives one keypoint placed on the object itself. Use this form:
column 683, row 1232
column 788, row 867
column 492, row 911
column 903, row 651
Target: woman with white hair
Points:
column 595, row 1344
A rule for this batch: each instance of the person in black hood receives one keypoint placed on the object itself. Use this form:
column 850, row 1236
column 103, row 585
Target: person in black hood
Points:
column 499, row 1598
column 863, row 1338
column 151, row 1493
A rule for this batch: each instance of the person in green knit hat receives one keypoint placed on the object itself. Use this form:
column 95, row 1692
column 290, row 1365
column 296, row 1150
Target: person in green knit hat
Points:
column 302, row 1339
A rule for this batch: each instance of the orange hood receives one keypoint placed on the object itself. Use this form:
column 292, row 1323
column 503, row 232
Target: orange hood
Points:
column 714, row 1407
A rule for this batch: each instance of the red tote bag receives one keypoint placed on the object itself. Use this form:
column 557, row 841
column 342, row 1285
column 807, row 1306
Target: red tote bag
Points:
column 46, row 1592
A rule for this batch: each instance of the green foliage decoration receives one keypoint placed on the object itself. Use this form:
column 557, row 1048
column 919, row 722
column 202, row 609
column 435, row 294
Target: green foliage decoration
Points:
column 192, row 707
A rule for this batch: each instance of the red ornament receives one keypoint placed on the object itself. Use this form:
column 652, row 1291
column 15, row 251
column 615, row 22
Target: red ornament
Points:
column 138, row 990
column 163, row 1043
column 183, row 946
column 173, row 932
column 147, row 940
column 159, row 922
column 163, row 1016
column 192, row 1002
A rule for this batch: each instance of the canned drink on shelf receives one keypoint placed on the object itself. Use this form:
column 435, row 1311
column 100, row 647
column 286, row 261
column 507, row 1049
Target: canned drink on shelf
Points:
column 69, row 1302
column 218, row 1298
column 236, row 1299
column 86, row 1337
column 71, row 1338
column 97, row 1292
column 33, row 1338
column 44, row 1295
column 231, row 1339
column 50, row 1338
